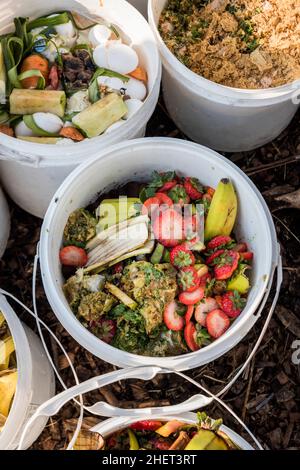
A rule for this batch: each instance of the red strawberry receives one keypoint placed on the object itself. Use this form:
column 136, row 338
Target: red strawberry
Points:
column 189, row 314
column 217, row 322
column 172, row 320
column 215, row 255
column 191, row 298
column 190, row 334
column 167, row 186
column 192, row 228
column 188, row 279
column 181, row 257
column 247, row 256
column 226, row 264
column 168, row 227
column 232, row 303
column 178, row 195
column 164, row 199
column 150, row 206
column 106, row 330
column 203, row 308
column 73, row 256
column 147, row 425
column 204, row 279
column 219, row 242
column 193, row 188
column 240, row 247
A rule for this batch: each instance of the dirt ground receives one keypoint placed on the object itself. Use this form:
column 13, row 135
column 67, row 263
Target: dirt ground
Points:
column 267, row 396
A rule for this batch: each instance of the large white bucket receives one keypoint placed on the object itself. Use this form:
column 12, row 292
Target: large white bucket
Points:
column 223, row 118
column 31, row 173
column 4, row 223
column 135, row 160
column 35, row 382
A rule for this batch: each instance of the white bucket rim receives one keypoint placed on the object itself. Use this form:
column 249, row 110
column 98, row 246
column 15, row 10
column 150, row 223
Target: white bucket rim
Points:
column 219, row 92
column 87, row 339
column 21, row 400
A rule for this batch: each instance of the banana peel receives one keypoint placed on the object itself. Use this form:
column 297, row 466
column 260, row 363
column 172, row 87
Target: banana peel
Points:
column 2, row 319
column 7, row 347
column 222, row 212
column 239, row 282
column 8, row 384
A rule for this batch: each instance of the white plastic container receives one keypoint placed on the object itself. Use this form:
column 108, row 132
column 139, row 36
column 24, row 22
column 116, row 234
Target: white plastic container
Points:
column 254, row 225
column 220, row 117
column 4, row 223
column 140, row 5
column 31, row 173
column 121, row 418
column 35, row 382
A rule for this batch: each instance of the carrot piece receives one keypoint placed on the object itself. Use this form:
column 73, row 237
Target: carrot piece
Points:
column 71, row 133
column 6, row 130
column 34, row 62
column 140, row 74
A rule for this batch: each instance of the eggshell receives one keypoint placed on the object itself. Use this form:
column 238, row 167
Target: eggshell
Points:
column 100, row 56
column 99, row 34
column 136, row 89
column 121, row 58
column 112, row 82
column 133, row 106
column 21, row 130
column 48, row 122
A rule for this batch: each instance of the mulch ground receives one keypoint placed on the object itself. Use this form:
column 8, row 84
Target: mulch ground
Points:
column 267, row 396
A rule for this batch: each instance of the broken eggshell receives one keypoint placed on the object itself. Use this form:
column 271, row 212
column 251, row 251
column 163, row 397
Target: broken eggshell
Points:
column 136, row 89
column 116, row 56
column 99, row 34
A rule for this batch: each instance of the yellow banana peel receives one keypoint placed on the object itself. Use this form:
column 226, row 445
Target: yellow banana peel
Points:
column 8, row 384
column 7, row 347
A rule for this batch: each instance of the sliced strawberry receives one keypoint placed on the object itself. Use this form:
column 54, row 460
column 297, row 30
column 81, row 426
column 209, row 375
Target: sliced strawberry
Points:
column 189, row 314
column 240, row 247
column 210, row 259
column 106, row 330
column 190, row 334
column 226, row 264
column 193, row 228
column 147, row 425
column 168, row 227
column 232, row 303
column 217, row 322
column 193, row 188
column 247, row 256
column 191, row 298
column 219, row 242
column 203, row 308
column 181, row 257
column 150, row 206
column 164, row 199
column 73, row 256
column 178, row 195
column 167, row 186
column 188, row 279
column 172, row 320
column 53, row 77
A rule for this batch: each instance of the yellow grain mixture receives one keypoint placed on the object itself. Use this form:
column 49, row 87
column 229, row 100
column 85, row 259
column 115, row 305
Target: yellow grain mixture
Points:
column 239, row 43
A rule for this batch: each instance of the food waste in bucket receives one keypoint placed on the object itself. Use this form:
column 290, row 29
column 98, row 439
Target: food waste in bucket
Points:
column 106, row 294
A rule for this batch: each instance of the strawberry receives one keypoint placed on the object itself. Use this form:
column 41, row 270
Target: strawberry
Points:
column 147, row 425
column 189, row 314
column 225, row 264
column 193, row 188
column 73, row 256
column 247, row 256
column 232, row 303
column 216, row 254
column 217, row 322
column 219, row 242
column 192, row 227
column 168, row 227
column 150, row 206
column 204, row 279
column 203, row 308
column 191, row 298
column 188, row 279
column 240, row 247
column 178, row 195
column 190, row 334
column 164, row 199
column 106, row 330
column 168, row 186
column 181, row 257
column 172, row 320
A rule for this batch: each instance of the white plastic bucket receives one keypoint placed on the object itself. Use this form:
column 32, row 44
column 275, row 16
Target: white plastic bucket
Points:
column 223, row 118
column 35, row 382
column 4, row 223
column 31, row 173
column 140, row 5
column 142, row 156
